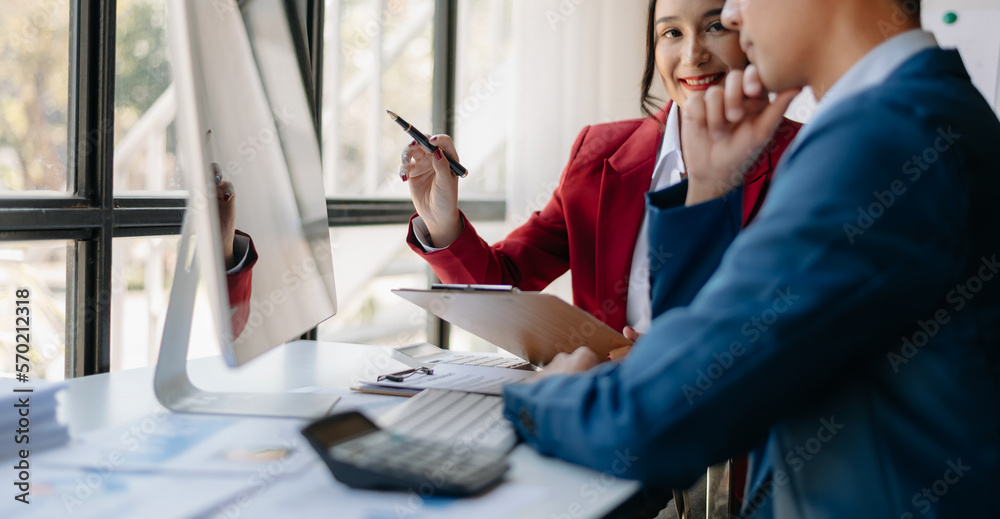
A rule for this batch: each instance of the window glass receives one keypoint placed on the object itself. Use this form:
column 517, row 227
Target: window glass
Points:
column 145, row 107
column 483, row 94
column 33, row 277
column 368, row 262
column 34, row 99
column 378, row 56
column 142, row 273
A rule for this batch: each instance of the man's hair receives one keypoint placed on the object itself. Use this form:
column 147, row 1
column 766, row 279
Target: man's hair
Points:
column 910, row 7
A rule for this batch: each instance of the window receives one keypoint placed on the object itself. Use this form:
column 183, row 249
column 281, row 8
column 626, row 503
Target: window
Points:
column 34, row 102
column 91, row 201
column 39, row 267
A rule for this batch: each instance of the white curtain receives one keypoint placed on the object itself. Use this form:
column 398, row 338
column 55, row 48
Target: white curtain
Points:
column 575, row 63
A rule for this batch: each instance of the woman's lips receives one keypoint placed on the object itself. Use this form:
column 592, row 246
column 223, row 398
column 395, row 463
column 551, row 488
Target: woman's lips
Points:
column 702, row 82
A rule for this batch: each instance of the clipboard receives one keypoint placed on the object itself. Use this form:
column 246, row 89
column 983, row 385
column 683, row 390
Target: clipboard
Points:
column 531, row 325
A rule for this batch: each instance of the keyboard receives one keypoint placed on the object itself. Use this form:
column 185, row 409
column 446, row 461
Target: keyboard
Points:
column 453, row 416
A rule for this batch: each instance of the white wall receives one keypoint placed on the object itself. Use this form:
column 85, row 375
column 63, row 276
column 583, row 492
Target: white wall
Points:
column 976, row 35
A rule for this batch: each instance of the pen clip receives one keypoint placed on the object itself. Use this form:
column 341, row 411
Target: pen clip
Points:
column 403, row 375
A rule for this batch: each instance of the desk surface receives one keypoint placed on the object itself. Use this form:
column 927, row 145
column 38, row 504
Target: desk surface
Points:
column 102, row 401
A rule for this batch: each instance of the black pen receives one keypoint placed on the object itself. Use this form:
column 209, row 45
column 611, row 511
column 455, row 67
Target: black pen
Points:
column 419, row 136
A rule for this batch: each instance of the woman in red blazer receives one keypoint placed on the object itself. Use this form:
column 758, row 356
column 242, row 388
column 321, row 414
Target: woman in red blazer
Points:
column 592, row 224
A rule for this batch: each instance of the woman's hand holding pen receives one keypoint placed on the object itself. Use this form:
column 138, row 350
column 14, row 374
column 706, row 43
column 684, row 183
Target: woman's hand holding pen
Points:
column 225, row 195
column 723, row 130
column 434, row 189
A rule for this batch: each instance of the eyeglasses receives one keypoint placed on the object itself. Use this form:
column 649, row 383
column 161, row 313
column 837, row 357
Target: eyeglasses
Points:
column 403, row 375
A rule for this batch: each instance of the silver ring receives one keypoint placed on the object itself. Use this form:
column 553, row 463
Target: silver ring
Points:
column 406, row 157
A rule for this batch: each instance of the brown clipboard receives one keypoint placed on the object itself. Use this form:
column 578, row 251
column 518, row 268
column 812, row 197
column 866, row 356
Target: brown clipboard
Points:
column 531, row 325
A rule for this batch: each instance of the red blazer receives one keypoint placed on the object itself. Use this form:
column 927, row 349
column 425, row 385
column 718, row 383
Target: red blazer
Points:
column 240, row 286
column 591, row 224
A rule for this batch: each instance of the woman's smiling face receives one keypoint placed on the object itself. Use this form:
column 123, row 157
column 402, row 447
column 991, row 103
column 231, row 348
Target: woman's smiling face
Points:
column 693, row 49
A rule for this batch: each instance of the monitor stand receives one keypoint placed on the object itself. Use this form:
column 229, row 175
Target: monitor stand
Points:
column 174, row 388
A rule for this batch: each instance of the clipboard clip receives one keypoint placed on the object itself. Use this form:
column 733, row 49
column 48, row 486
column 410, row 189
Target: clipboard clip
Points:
column 403, row 375
column 474, row 288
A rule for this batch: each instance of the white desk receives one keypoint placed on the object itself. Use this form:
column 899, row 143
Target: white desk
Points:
column 93, row 403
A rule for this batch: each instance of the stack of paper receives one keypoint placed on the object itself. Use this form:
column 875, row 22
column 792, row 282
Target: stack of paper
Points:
column 452, row 377
column 28, row 418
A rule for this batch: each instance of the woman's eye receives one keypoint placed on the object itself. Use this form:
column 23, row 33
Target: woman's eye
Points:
column 670, row 33
column 716, row 27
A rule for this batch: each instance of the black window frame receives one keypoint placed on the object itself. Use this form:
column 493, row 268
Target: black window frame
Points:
column 90, row 216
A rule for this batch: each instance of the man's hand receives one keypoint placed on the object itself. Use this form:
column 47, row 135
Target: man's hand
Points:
column 724, row 130
column 620, row 353
column 580, row 360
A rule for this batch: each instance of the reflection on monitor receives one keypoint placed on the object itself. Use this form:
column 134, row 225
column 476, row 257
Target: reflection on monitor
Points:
column 256, row 221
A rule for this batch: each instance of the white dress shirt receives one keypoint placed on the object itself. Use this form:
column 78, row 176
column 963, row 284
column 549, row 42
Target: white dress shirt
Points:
column 669, row 171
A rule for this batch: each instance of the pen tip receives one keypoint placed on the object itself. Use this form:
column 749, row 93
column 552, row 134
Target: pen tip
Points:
column 391, row 114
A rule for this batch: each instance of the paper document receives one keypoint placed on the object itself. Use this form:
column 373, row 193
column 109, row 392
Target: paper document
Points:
column 57, row 493
column 191, row 444
column 315, row 493
column 456, row 377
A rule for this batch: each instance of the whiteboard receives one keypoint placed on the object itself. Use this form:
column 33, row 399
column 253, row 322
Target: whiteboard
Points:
column 977, row 38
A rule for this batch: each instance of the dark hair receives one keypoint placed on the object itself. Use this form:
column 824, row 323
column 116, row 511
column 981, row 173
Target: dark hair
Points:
column 910, row 7
column 650, row 102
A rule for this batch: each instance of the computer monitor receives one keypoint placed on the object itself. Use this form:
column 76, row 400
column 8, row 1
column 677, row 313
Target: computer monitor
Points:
column 249, row 148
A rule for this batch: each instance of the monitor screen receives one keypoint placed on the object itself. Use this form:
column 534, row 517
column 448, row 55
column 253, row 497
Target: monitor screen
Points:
column 249, row 148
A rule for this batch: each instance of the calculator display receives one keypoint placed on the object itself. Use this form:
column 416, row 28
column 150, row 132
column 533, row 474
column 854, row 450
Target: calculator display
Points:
column 336, row 429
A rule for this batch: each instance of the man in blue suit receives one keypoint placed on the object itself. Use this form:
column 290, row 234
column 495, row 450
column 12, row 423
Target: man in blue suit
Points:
column 850, row 336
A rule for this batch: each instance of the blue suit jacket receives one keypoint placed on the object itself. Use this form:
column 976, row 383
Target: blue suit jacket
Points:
column 854, row 327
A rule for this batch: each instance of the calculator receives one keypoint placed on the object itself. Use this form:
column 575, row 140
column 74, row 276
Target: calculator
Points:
column 360, row 455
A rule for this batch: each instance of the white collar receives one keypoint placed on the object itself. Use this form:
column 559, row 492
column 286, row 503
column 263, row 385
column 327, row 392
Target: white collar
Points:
column 671, row 142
